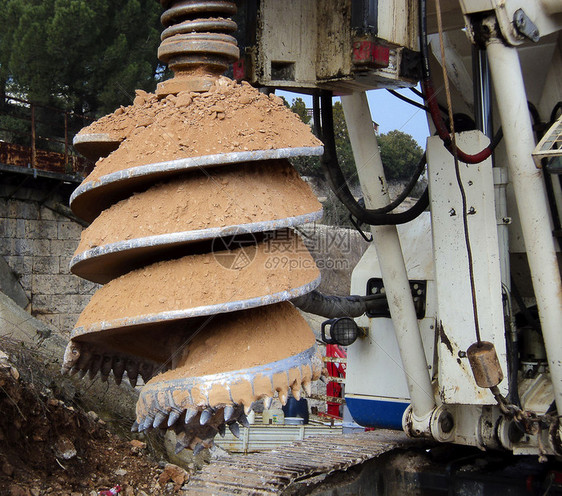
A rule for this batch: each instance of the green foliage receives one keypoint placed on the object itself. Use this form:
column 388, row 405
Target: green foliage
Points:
column 299, row 107
column 335, row 212
column 343, row 146
column 400, row 154
column 83, row 55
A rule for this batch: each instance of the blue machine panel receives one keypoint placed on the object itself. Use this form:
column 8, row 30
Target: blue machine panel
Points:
column 377, row 413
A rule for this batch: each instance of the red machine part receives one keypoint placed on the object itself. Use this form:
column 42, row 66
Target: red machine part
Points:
column 333, row 388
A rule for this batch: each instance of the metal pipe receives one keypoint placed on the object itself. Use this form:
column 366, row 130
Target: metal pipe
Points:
column 482, row 92
column 389, row 252
column 530, row 194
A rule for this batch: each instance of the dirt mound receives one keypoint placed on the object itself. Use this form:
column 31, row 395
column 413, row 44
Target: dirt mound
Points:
column 230, row 117
column 47, row 447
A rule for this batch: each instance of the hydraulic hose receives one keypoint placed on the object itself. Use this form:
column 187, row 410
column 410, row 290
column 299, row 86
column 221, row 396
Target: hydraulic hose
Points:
column 331, row 306
column 407, row 189
column 431, row 101
column 338, row 184
column 407, row 100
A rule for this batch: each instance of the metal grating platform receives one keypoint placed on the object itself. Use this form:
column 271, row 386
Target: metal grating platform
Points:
column 272, row 472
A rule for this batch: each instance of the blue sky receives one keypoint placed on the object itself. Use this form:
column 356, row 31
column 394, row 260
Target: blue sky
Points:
column 388, row 111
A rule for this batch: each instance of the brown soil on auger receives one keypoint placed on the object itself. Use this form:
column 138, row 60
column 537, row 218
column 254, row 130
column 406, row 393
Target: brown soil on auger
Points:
column 202, row 199
column 244, row 339
column 237, row 341
column 205, row 279
column 230, row 117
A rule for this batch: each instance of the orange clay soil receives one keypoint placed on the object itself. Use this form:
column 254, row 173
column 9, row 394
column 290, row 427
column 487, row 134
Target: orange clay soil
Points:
column 230, row 117
column 217, row 197
column 204, row 279
column 240, row 340
column 237, row 341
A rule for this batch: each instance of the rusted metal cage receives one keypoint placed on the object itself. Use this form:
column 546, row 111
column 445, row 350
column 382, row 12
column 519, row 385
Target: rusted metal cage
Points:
column 40, row 137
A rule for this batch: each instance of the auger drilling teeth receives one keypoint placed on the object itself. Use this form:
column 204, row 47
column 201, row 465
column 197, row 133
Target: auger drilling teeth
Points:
column 283, row 396
column 243, row 421
column 159, row 420
column 173, row 417
column 95, row 366
column 145, row 371
column 189, row 415
column 211, row 400
column 228, row 412
column 118, row 369
column 132, row 368
column 147, row 423
column 105, row 368
column 206, row 415
column 182, row 442
column 132, row 380
column 198, row 448
column 235, row 429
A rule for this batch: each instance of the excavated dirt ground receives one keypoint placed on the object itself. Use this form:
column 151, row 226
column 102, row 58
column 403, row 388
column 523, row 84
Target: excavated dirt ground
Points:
column 218, row 197
column 50, row 448
column 230, row 117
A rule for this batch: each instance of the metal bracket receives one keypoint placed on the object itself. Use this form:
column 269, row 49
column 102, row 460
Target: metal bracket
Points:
column 525, row 26
column 418, row 288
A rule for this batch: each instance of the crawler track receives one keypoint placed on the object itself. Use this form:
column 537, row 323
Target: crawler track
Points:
column 273, row 472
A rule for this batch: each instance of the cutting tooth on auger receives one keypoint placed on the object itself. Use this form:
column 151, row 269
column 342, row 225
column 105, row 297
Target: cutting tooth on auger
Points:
column 194, row 242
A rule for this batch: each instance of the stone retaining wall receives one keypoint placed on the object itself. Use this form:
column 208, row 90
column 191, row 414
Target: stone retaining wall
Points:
column 37, row 245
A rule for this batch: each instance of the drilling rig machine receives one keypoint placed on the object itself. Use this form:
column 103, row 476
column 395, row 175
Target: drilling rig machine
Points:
column 459, row 297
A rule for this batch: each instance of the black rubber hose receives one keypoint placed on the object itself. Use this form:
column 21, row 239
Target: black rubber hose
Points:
column 407, row 100
column 331, row 306
column 338, row 184
column 421, row 95
column 513, row 369
column 408, row 188
column 553, row 114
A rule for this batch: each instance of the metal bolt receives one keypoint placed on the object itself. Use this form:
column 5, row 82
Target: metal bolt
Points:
column 446, row 422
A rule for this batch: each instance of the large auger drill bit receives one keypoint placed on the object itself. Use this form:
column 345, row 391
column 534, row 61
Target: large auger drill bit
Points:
column 192, row 203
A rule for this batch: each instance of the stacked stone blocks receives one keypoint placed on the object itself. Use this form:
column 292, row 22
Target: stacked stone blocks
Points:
column 37, row 244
